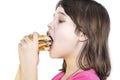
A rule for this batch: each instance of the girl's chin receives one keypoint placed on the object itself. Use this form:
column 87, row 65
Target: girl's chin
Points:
column 54, row 55
column 51, row 55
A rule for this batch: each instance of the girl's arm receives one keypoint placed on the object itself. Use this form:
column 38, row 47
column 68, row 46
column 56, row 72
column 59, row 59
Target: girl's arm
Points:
column 18, row 75
column 27, row 74
column 29, row 58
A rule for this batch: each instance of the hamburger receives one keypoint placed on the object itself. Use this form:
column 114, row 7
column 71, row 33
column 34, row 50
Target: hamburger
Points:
column 44, row 42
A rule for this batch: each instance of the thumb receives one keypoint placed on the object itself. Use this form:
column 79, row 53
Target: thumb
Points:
column 35, row 37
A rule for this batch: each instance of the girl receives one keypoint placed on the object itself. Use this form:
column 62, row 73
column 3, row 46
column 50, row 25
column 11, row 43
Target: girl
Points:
column 79, row 33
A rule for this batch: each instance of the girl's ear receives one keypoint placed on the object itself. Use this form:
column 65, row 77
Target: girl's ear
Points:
column 82, row 37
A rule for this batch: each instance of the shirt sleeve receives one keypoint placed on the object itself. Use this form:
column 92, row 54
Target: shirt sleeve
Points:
column 58, row 76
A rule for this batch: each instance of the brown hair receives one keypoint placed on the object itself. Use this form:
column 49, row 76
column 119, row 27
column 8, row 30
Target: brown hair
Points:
column 93, row 20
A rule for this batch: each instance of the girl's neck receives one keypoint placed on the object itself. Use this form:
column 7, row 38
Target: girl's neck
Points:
column 71, row 63
column 72, row 67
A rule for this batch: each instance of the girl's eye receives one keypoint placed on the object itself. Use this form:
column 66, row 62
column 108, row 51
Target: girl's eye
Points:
column 61, row 21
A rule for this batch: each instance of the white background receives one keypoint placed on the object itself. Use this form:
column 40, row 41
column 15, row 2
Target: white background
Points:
column 23, row 17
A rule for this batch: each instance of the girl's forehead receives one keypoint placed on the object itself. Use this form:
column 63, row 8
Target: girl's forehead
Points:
column 60, row 10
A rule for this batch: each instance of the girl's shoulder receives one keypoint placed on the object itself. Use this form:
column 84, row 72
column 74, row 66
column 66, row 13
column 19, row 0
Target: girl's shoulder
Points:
column 58, row 76
column 84, row 75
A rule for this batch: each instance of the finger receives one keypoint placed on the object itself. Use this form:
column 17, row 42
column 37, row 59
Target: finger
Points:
column 35, row 40
column 19, row 45
column 35, row 37
column 30, row 37
column 22, row 42
column 27, row 39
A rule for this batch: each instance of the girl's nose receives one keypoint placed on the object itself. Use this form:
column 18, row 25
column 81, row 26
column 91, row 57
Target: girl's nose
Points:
column 50, row 25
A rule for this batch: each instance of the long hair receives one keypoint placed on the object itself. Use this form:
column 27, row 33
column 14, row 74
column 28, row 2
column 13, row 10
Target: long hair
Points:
column 93, row 20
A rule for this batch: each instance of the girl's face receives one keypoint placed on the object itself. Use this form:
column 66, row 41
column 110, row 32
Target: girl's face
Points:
column 62, row 31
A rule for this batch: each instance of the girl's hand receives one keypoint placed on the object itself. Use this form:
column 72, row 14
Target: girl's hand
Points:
column 28, row 50
column 29, row 57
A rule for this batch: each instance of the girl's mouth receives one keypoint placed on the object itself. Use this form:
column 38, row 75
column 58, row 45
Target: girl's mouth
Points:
column 51, row 39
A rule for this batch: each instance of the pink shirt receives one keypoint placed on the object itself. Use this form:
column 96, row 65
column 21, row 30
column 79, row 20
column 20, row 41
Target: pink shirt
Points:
column 84, row 75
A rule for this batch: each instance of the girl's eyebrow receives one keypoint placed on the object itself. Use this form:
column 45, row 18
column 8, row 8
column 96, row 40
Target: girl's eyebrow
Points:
column 60, row 13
